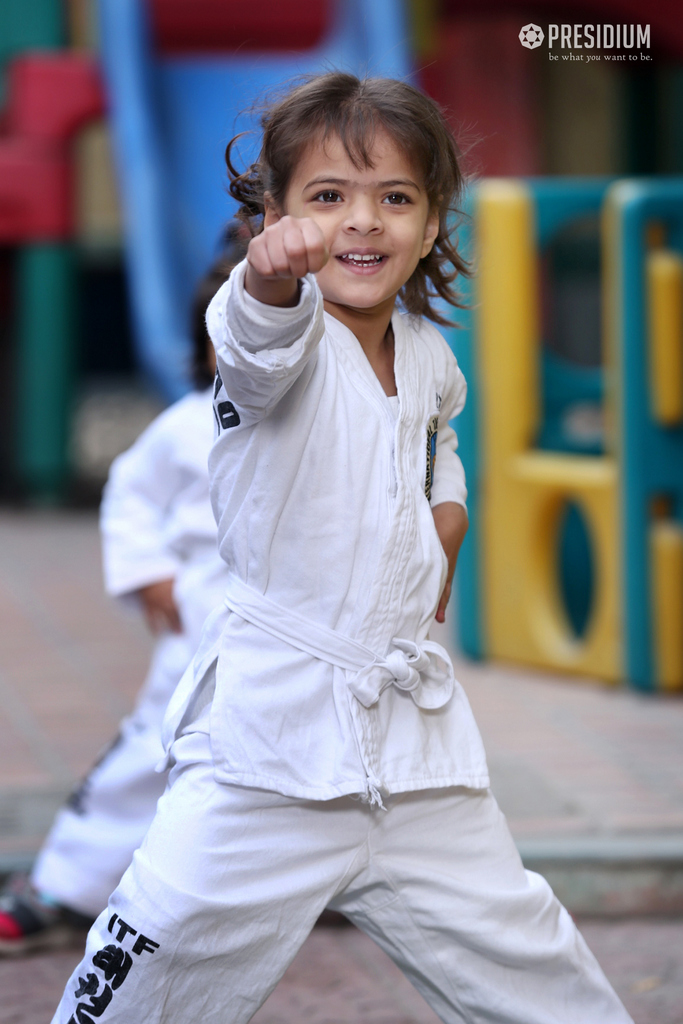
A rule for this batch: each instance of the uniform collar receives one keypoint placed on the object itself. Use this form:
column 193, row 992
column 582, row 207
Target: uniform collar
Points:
column 349, row 349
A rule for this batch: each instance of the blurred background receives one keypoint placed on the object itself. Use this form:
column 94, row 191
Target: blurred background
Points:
column 112, row 202
column 114, row 119
column 515, row 113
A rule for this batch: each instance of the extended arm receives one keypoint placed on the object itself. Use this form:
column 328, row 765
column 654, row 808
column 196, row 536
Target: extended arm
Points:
column 267, row 320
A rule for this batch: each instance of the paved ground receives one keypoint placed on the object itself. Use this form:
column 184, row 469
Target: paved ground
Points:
column 571, row 762
column 583, row 772
column 70, row 665
column 341, row 977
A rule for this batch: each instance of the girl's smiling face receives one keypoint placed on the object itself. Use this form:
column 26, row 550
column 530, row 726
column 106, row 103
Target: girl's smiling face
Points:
column 376, row 221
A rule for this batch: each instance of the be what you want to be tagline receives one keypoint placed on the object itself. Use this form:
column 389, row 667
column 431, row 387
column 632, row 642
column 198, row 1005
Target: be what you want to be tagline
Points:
column 590, row 42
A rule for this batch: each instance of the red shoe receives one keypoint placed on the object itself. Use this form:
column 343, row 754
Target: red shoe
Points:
column 30, row 921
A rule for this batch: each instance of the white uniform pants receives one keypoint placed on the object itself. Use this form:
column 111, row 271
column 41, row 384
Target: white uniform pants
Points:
column 95, row 834
column 229, row 882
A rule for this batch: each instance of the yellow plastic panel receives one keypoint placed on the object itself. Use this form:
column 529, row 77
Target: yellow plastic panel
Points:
column 524, row 490
column 666, row 552
column 507, row 314
column 665, row 314
column 540, row 486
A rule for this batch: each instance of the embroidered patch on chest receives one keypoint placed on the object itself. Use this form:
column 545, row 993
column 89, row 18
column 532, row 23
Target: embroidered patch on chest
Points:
column 432, row 432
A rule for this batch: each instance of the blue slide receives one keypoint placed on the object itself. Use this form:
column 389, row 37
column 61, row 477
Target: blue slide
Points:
column 171, row 117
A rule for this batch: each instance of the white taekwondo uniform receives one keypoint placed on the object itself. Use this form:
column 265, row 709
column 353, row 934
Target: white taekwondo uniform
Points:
column 156, row 523
column 314, row 685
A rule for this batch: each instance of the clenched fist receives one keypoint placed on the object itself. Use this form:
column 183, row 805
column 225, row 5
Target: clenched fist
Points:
column 285, row 250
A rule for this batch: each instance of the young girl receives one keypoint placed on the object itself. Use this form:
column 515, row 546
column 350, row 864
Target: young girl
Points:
column 322, row 753
column 159, row 551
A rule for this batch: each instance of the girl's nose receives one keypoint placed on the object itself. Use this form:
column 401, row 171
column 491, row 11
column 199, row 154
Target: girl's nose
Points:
column 363, row 216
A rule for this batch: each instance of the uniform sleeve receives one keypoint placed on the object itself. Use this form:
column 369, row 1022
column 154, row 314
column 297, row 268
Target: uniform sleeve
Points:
column 449, row 476
column 137, row 497
column 262, row 349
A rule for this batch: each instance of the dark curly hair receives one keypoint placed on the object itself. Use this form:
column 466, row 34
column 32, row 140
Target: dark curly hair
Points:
column 234, row 243
column 355, row 109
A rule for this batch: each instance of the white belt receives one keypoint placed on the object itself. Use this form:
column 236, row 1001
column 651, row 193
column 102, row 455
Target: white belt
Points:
column 423, row 670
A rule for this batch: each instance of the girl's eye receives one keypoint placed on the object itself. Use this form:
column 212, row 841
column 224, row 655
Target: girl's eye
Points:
column 328, row 196
column 397, row 199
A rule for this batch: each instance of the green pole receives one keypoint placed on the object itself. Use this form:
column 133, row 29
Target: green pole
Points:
column 45, row 367
column 44, row 298
column 26, row 25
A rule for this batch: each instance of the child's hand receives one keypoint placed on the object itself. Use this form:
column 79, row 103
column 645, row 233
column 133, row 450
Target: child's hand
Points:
column 451, row 524
column 287, row 249
column 159, row 607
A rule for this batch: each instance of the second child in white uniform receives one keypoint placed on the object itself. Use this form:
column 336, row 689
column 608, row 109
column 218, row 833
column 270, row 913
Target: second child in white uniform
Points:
column 160, row 554
column 159, row 550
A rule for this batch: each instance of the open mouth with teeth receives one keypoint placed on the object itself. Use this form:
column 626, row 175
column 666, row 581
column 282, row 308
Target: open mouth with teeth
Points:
column 363, row 261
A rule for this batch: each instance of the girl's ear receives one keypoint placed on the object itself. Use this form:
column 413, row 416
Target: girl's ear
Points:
column 431, row 232
column 271, row 215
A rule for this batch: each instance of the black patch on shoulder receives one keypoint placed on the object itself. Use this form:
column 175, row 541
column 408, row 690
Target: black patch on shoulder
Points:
column 227, row 415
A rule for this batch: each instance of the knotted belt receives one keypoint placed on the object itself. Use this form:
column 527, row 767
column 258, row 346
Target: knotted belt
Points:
column 423, row 670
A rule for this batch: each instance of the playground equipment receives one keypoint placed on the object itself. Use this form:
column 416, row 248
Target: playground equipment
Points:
column 554, row 525
column 180, row 74
column 644, row 242
column 49, row 95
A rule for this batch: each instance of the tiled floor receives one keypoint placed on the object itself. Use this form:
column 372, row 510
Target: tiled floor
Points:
column 570, row 761
column 71, row 662
column 573, row 758
column 341, row 977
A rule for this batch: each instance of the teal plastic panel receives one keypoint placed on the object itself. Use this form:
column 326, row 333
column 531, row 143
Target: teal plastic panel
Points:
column 652, row 455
